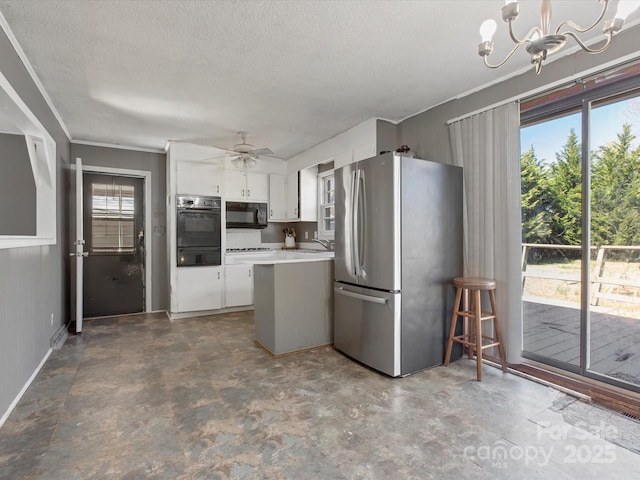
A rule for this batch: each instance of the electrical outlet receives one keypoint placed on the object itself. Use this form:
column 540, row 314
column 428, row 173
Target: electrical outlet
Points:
column 306, row 235
column 52, row 319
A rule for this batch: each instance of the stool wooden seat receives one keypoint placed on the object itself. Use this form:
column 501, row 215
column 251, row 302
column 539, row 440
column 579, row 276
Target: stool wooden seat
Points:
column 472, row 335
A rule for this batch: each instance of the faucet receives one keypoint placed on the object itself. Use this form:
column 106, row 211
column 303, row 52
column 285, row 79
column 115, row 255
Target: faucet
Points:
column 327, row 244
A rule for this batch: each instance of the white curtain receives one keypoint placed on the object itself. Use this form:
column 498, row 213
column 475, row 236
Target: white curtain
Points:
column 487, row 147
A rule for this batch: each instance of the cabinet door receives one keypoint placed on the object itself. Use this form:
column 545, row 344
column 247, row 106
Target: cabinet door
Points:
column 292, row 196
column 308, row 193
column 198, row 178
column 277, row 197
column 199, row 288
column 235, row 185
column 257, row 187
column 238, row 285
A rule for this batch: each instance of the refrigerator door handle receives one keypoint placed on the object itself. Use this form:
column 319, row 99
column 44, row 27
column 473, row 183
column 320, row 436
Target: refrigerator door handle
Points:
column 359, row 296
column 355, row 234
column 362, row 203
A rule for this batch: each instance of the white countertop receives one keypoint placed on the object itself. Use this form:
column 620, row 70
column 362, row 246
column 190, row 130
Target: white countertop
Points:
column 283, row 256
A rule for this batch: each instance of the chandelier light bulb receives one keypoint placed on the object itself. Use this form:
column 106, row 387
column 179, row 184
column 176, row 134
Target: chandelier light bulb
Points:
column 541, row 41
column 487, row 29
column 625, row 8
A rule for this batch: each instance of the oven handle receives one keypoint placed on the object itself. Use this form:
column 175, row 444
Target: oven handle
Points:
column 196, row 210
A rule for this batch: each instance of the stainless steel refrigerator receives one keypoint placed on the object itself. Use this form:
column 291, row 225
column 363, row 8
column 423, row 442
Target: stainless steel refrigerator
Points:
column 398, row 245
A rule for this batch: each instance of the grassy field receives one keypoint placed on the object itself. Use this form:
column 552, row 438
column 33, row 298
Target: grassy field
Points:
column 568, row 288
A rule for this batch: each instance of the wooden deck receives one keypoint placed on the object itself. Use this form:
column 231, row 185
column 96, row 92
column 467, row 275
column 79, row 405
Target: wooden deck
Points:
column 554, row 331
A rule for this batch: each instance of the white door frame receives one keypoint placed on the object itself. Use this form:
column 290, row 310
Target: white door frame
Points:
column 146, row 176
column 79, row 245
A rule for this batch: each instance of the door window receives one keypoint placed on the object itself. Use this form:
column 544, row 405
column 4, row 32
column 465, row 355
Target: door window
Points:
column 112, row 218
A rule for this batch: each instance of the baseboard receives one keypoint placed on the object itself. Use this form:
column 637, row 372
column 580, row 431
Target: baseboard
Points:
column 126, row 315
column 203, row 313
column 24, row 389
column 625, row 402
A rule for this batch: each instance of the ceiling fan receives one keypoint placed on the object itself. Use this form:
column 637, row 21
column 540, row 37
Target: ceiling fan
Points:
column 246, row 155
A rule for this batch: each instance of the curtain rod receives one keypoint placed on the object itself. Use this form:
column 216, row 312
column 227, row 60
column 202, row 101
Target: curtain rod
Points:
column 553, row 85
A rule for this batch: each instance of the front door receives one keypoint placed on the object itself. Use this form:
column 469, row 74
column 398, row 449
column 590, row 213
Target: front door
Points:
column 115, row 240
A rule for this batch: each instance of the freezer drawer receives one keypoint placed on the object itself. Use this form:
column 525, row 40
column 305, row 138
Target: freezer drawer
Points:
column 367, row 326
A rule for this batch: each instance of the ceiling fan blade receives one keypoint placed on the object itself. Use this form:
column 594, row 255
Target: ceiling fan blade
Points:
column 210, row 158
column 261, row 151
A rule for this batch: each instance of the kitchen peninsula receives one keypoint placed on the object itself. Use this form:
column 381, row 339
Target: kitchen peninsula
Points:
column 293, row 301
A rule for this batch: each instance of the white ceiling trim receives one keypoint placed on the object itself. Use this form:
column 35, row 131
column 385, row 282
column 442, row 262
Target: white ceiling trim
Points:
column 564, row 81
column 550, row 86
column 121, row 147
column 14, row 42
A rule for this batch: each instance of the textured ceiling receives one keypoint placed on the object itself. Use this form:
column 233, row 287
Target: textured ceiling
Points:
column 292, row 73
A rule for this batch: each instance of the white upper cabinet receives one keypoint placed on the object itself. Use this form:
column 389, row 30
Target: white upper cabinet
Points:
column 364, row 151
column 235, row 185
column 354, row 155
column 302, row 195
column 277, row 197
column 257, row 187
column 342, row 159
column 247, row 187
column 198, row 178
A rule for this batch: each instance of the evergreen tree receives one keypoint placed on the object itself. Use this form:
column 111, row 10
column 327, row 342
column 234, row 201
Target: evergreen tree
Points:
column 615, row 192
column 565, row 187
column 535, row 198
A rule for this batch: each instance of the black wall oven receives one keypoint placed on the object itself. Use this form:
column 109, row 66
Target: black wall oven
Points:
column 198, row 228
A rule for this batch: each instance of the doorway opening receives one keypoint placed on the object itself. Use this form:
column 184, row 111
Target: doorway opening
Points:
column 114, row 231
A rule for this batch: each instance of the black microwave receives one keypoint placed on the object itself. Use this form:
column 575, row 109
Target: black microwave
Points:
column 246, row 215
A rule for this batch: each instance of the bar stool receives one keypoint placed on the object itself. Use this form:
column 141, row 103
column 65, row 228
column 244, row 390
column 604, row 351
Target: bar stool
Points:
column 472, row 336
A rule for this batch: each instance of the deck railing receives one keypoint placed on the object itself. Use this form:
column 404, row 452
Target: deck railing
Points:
column 597, row 279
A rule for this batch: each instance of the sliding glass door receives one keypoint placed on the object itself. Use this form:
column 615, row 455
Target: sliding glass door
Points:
column 614, row 297
column 580, row 168
column 551, row 167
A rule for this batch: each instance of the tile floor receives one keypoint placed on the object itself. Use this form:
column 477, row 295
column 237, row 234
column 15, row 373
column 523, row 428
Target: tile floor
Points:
column 140, row 397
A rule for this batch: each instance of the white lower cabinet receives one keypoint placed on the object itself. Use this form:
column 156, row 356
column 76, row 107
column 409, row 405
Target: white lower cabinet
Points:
column 238, row 285
column 199, row 288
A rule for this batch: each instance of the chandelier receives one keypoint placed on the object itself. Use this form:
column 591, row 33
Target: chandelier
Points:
column 542, row 41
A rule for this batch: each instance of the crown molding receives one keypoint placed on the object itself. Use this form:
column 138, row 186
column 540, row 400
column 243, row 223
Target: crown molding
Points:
column 117, row 145
column 23, row 57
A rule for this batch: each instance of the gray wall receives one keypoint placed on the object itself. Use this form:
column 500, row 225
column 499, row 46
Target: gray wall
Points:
column 156, row 164
column 427, row 133
column 17, row 187
column 33, row 280
column 274, row 234
column 386, row 136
